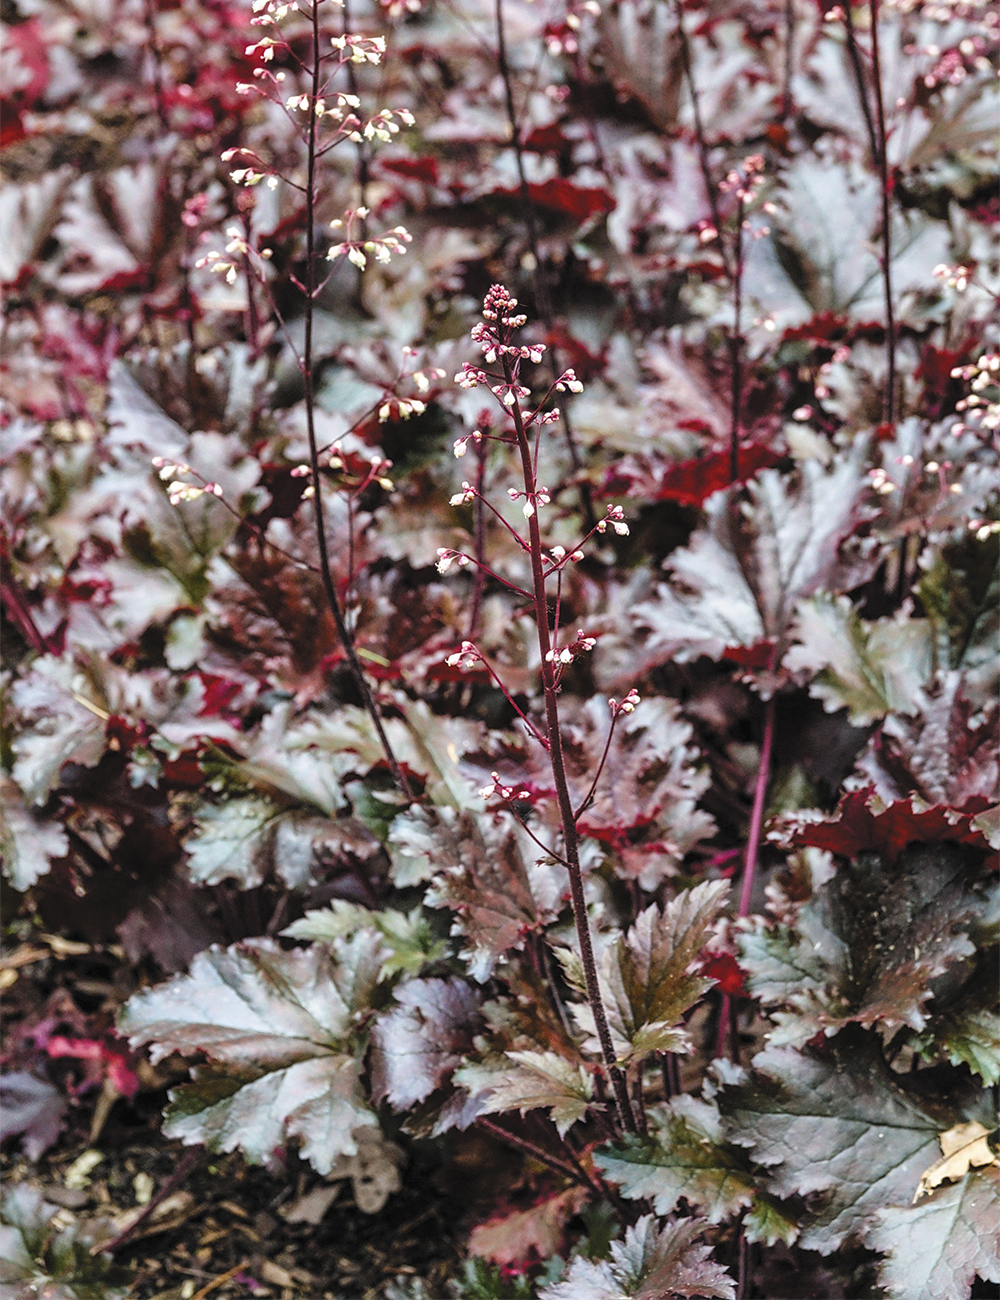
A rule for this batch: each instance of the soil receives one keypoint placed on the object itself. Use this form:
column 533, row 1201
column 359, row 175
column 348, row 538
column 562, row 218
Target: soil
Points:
column 223, row 1224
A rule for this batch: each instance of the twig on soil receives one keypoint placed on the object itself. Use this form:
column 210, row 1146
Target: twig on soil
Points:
column 221, row 1280
column 173, row 1182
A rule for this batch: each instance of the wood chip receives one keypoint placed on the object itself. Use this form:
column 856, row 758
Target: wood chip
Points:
column 233, row 1208
column 23, row 956
column 221, row 1280
column 275, row 1274
column 312, row 1207
column 169, row 1214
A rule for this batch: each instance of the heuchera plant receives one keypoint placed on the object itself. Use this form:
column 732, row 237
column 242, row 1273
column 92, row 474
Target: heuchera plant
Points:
column 631, row 802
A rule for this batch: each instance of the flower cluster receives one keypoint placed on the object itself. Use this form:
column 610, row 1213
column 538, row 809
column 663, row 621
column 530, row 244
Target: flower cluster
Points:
column 558, row 556
column 494, row 347
column 568, row 653
column 360, row 49
column 465, row 658
column 744, row 181
column 386, row 123
column 172, row 472
column 532, row 500
column 881, row 482
column 616, row 520
column 465, row 497
column 562, row 37
column 983, row 407
column 507, row 792
column 955, row 277
column 953, row 66
column 507, row 393
column 446, row 558
column 359, row 250
column 461, row 445
column 627, row 705
column 373, row 470
column 221, row 265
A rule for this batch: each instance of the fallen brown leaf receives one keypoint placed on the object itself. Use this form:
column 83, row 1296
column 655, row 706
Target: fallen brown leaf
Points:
column 963, row 1147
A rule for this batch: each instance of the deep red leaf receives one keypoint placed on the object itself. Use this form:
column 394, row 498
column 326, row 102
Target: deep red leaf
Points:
column 690, row 482
column 724, row 969
column 858, row 827
column 563, row 197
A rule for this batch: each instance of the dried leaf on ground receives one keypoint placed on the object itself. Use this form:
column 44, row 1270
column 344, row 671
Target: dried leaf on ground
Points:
column 525, row 1236
column 963, row 1147
column 374, row 1169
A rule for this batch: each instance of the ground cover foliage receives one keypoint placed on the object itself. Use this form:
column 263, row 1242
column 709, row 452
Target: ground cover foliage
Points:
column 500, row 575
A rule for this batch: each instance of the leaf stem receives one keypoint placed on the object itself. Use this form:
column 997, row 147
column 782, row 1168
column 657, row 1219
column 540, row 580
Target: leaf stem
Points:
column 854, row 54
column 727, row 1018
column 530, row 1149
column 585, row 804
column 757, row 811
column 786, row 85
column 875, row 126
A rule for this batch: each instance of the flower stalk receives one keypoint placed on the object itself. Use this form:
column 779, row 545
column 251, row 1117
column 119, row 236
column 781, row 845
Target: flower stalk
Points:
column 495, row 337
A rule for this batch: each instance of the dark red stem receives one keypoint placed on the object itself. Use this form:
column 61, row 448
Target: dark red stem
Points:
column 736, row 351
column 570, row 839
column 542, row 299
column 307, row 378
column 883, row 169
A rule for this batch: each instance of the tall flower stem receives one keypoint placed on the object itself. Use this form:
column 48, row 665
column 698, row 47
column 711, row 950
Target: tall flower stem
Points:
column 732, row 260
column 542, row 298
column 883, row 169
column 479, row 578
column 854, row 54
column 399, row 776
column 736, row 351
column 875, row 125
column 789, row 61
column 563, row 798
column 711, row 189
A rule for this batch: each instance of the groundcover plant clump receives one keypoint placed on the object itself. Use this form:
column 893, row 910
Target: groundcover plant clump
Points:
column 500, row 577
